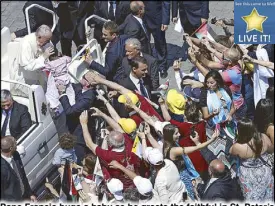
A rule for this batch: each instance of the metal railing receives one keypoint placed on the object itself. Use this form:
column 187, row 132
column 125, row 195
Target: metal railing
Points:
column 86, row 24
column 44, row 9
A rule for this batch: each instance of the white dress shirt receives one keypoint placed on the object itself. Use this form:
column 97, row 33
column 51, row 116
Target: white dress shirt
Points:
column 2, row 122
column 114, row 6
column 168, row 184
column 141, row 23
column 136, row 83
column 8, row 159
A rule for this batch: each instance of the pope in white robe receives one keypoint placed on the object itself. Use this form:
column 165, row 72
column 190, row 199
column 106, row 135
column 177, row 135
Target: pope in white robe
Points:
column 30, row 60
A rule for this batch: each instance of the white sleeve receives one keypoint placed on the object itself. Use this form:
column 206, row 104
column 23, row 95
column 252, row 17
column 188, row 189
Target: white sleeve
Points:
column 160, row 187
column 178, row 79
column 27, row 59
column 263, row 71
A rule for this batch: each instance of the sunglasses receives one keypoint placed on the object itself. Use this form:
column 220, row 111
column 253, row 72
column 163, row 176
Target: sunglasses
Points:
column 225, row 59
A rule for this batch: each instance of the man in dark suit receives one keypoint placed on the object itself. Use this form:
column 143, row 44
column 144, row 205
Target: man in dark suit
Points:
column 85, row 97
column 114, row 54
column 136, row 80
column 157, row 18
column 16, row 119
column 116, row 11
column 220, row 182
column 72, row 16
column 132, row 48
column 37, row 18
column 14, row 183
column 192, row 15
column 134, row 26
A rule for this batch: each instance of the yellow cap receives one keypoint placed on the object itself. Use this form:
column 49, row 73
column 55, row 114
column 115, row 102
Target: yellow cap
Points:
column 128, row 125
column 131, row 95
column 175, row 102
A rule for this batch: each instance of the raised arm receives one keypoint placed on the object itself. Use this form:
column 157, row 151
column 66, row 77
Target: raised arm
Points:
column 194, row 60
column 151, row 139
column 87, row 136
column 164, row 109
column 93, row 79
column 177, row 151
column 208, row 63
column 260, row 62
column 109, row 120
column 110, row 108
column 141, row 113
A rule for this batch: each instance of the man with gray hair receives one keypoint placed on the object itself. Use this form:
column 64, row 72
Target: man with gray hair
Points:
column 134, row 26
column 16, row 119
column 119, row 149
column 133, row 49
column 14, row 183
column 34, row 50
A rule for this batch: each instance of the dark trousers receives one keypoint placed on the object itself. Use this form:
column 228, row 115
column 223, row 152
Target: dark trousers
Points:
column 81, row 151
column 248, row 94
column 66, row 44
column 160, row 47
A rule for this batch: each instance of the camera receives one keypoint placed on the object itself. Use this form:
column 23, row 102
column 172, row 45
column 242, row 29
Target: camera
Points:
column 193, row 133
column 213, row 20
column 141, row 127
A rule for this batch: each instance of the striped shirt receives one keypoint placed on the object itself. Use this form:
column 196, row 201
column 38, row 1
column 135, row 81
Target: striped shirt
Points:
column 232, row 77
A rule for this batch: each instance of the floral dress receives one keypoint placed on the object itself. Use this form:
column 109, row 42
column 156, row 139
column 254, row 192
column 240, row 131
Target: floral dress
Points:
column 256, row 179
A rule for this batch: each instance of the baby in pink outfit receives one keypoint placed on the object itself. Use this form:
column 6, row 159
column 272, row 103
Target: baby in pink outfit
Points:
column 58, row 68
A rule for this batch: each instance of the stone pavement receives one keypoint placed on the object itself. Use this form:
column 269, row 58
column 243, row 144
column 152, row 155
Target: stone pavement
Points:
column 12, row 17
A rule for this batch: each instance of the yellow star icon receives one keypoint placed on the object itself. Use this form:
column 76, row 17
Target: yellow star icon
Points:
column 254, row 21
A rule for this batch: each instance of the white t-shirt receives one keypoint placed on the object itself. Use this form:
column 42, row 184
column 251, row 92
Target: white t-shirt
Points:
column 168, row 184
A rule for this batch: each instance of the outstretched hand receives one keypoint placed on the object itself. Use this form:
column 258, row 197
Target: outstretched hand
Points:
column 114, row 164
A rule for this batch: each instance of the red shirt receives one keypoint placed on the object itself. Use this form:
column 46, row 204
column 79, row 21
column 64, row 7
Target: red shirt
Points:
column 106, row 156
column 147, row 108
column 185, row 128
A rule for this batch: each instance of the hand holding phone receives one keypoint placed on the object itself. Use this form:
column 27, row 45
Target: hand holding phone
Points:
column 192, row 133
column 141, row 127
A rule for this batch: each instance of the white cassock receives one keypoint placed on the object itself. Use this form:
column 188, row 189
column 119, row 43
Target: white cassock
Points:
column 27, row 66
column 260, row 76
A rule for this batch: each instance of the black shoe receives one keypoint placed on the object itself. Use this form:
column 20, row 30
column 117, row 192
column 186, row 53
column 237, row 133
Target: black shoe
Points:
column 163, row 74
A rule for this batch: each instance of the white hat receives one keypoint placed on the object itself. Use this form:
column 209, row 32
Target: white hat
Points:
column 115, row 186
column 143, row 185
column 158, row 125
column 154, row 156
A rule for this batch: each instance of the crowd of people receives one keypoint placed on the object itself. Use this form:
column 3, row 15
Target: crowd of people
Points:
column 155, row 143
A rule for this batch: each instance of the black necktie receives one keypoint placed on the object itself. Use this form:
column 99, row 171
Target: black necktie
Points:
column 4, row 127
column 111, row 11
column 143, row 89
column 145, row 30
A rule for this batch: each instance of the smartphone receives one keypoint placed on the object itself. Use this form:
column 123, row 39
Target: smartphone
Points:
column 192, row 133
column 213, row 20
column 103, row 133
column 141, row 127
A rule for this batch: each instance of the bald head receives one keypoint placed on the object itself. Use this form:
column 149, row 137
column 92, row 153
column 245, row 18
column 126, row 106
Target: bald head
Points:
column 217, row 168
column 116, row 140
column 8, row 144
column 137, row 8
